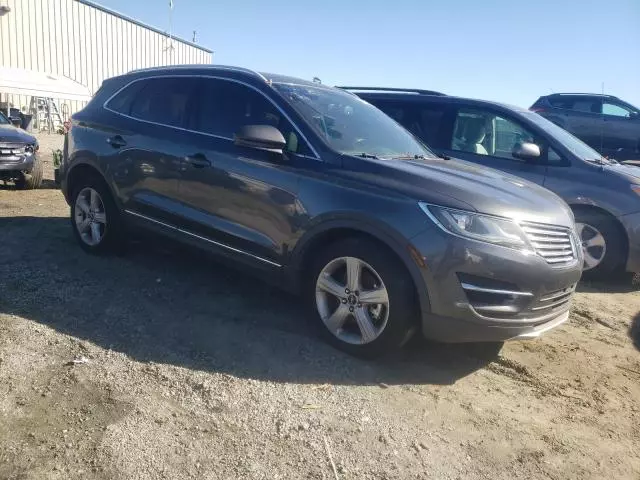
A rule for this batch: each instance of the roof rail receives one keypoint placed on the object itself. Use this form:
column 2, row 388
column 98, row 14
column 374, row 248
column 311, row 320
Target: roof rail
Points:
column 398, row 90
column 211, row 66
column 559, row 94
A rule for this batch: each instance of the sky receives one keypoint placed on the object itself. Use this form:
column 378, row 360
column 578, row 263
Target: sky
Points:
column 511, row 51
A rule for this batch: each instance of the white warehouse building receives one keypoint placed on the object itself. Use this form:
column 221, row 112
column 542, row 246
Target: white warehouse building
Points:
column 54, row 54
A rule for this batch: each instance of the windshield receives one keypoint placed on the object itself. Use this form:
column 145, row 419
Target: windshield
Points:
column 3, row 119
column 574, row 144
column 350, row 125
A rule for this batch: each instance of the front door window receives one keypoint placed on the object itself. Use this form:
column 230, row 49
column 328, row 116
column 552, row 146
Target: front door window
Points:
column 485, row 133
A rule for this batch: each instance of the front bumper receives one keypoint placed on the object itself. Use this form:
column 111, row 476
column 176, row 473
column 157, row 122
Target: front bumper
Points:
column 17, row 163
column 631, row 224
column 483, row 292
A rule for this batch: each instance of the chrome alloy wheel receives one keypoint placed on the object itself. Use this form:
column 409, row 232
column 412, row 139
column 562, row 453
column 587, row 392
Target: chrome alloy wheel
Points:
column 90, row 216
column 593, row 245
column 352, row 300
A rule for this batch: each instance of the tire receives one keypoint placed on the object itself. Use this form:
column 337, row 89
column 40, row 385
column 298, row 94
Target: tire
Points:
column 105, row 215
column 388, row 325
column 611, row 256
column 33, row 180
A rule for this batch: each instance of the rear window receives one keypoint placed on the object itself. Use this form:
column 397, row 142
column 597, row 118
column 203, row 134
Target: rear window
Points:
column 163, row 101
column 577, row 104
column 122, row 101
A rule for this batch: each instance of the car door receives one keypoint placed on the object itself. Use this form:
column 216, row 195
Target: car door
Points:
column 621, row 127
column 149, row 143
column 584, row 119
column 242, row 200
column 486, row 137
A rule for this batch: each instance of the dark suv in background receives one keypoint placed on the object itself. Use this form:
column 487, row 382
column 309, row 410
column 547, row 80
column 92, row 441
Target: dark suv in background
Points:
column 604, row 195
column 606, row 123
column 320, row 192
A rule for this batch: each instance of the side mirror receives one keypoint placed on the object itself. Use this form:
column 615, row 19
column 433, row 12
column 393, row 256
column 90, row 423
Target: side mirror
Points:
column 16, row 121
column 261, row 137
column 634, row 115
column 526, row 151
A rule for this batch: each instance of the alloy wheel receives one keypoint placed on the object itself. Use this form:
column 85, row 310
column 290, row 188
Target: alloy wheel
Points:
column 90, row 216
column 352, row 300
column 593, row 244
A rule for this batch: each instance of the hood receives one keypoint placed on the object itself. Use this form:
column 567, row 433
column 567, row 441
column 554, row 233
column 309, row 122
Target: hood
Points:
column 458, row 184
column 11, row 134
column 630, row 172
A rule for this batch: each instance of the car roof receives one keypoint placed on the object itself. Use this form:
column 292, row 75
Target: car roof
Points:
column 578, row 94
column 226, row 70
column 379, row 95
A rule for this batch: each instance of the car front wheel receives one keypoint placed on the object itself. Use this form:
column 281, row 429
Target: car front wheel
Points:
column 362, row 297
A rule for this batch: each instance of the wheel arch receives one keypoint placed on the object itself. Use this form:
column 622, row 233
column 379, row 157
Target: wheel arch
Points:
column 82, row 168
column 329, row 232
column 576, row 207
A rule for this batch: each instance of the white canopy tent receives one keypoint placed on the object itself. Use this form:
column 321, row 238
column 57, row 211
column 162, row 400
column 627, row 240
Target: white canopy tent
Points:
column 45, row 90
column 18, row 81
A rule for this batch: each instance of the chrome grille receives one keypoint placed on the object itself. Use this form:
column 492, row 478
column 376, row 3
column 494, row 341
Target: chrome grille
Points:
column 12, row 149
column 554, row 244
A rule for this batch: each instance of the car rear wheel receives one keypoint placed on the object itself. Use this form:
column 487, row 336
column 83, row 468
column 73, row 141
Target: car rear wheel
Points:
column 602, row 244
column 95, row 218
column 362, row 299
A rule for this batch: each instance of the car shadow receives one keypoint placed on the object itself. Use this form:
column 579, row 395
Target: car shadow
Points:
column 634, row 331
column 621, row 283
column 46, row 184
column 165, row 303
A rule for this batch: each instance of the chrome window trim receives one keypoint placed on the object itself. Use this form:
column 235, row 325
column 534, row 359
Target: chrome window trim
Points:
column 496, row 291
column 186, row 232
column 215, row 77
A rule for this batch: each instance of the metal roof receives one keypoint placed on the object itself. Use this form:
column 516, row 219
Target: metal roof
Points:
column 143, row 25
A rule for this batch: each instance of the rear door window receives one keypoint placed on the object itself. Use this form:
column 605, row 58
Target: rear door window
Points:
column 165, row 101
column 426, row 121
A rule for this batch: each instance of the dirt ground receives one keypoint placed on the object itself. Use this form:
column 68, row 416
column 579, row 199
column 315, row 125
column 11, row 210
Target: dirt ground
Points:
column 186, row 369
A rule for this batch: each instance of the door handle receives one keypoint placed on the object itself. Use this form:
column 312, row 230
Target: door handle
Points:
column 116, row 141
column 198, row 160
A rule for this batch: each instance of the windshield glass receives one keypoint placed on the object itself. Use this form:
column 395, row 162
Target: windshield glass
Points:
column 3, row 119
column 350, row 125
column 577, row 146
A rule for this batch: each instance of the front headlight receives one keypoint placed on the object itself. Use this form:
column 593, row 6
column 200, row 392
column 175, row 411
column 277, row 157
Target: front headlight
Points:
column 483, row 228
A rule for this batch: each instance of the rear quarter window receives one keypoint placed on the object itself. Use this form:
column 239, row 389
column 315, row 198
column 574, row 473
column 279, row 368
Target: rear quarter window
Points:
column 123, row 99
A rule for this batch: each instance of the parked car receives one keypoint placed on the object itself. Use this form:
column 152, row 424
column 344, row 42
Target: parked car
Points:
column 602, row 194
column 606, row 123
column 323, row 194
column 19, row 160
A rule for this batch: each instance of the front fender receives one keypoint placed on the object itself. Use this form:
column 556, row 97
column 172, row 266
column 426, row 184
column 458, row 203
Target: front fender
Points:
column 321, row 229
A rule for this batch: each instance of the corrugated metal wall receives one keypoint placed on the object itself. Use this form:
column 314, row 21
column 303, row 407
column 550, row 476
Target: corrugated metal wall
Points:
column 83, row 42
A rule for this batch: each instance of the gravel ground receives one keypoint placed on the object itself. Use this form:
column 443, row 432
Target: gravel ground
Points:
column 186, row 369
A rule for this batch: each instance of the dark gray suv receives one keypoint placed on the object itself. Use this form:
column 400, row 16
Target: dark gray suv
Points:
column 321, row 193
column 604, row 122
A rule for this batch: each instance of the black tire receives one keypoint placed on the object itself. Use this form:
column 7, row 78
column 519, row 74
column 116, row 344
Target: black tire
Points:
column 403, row 316
column 113, row 239
column 612, row 264
column 33, row 180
